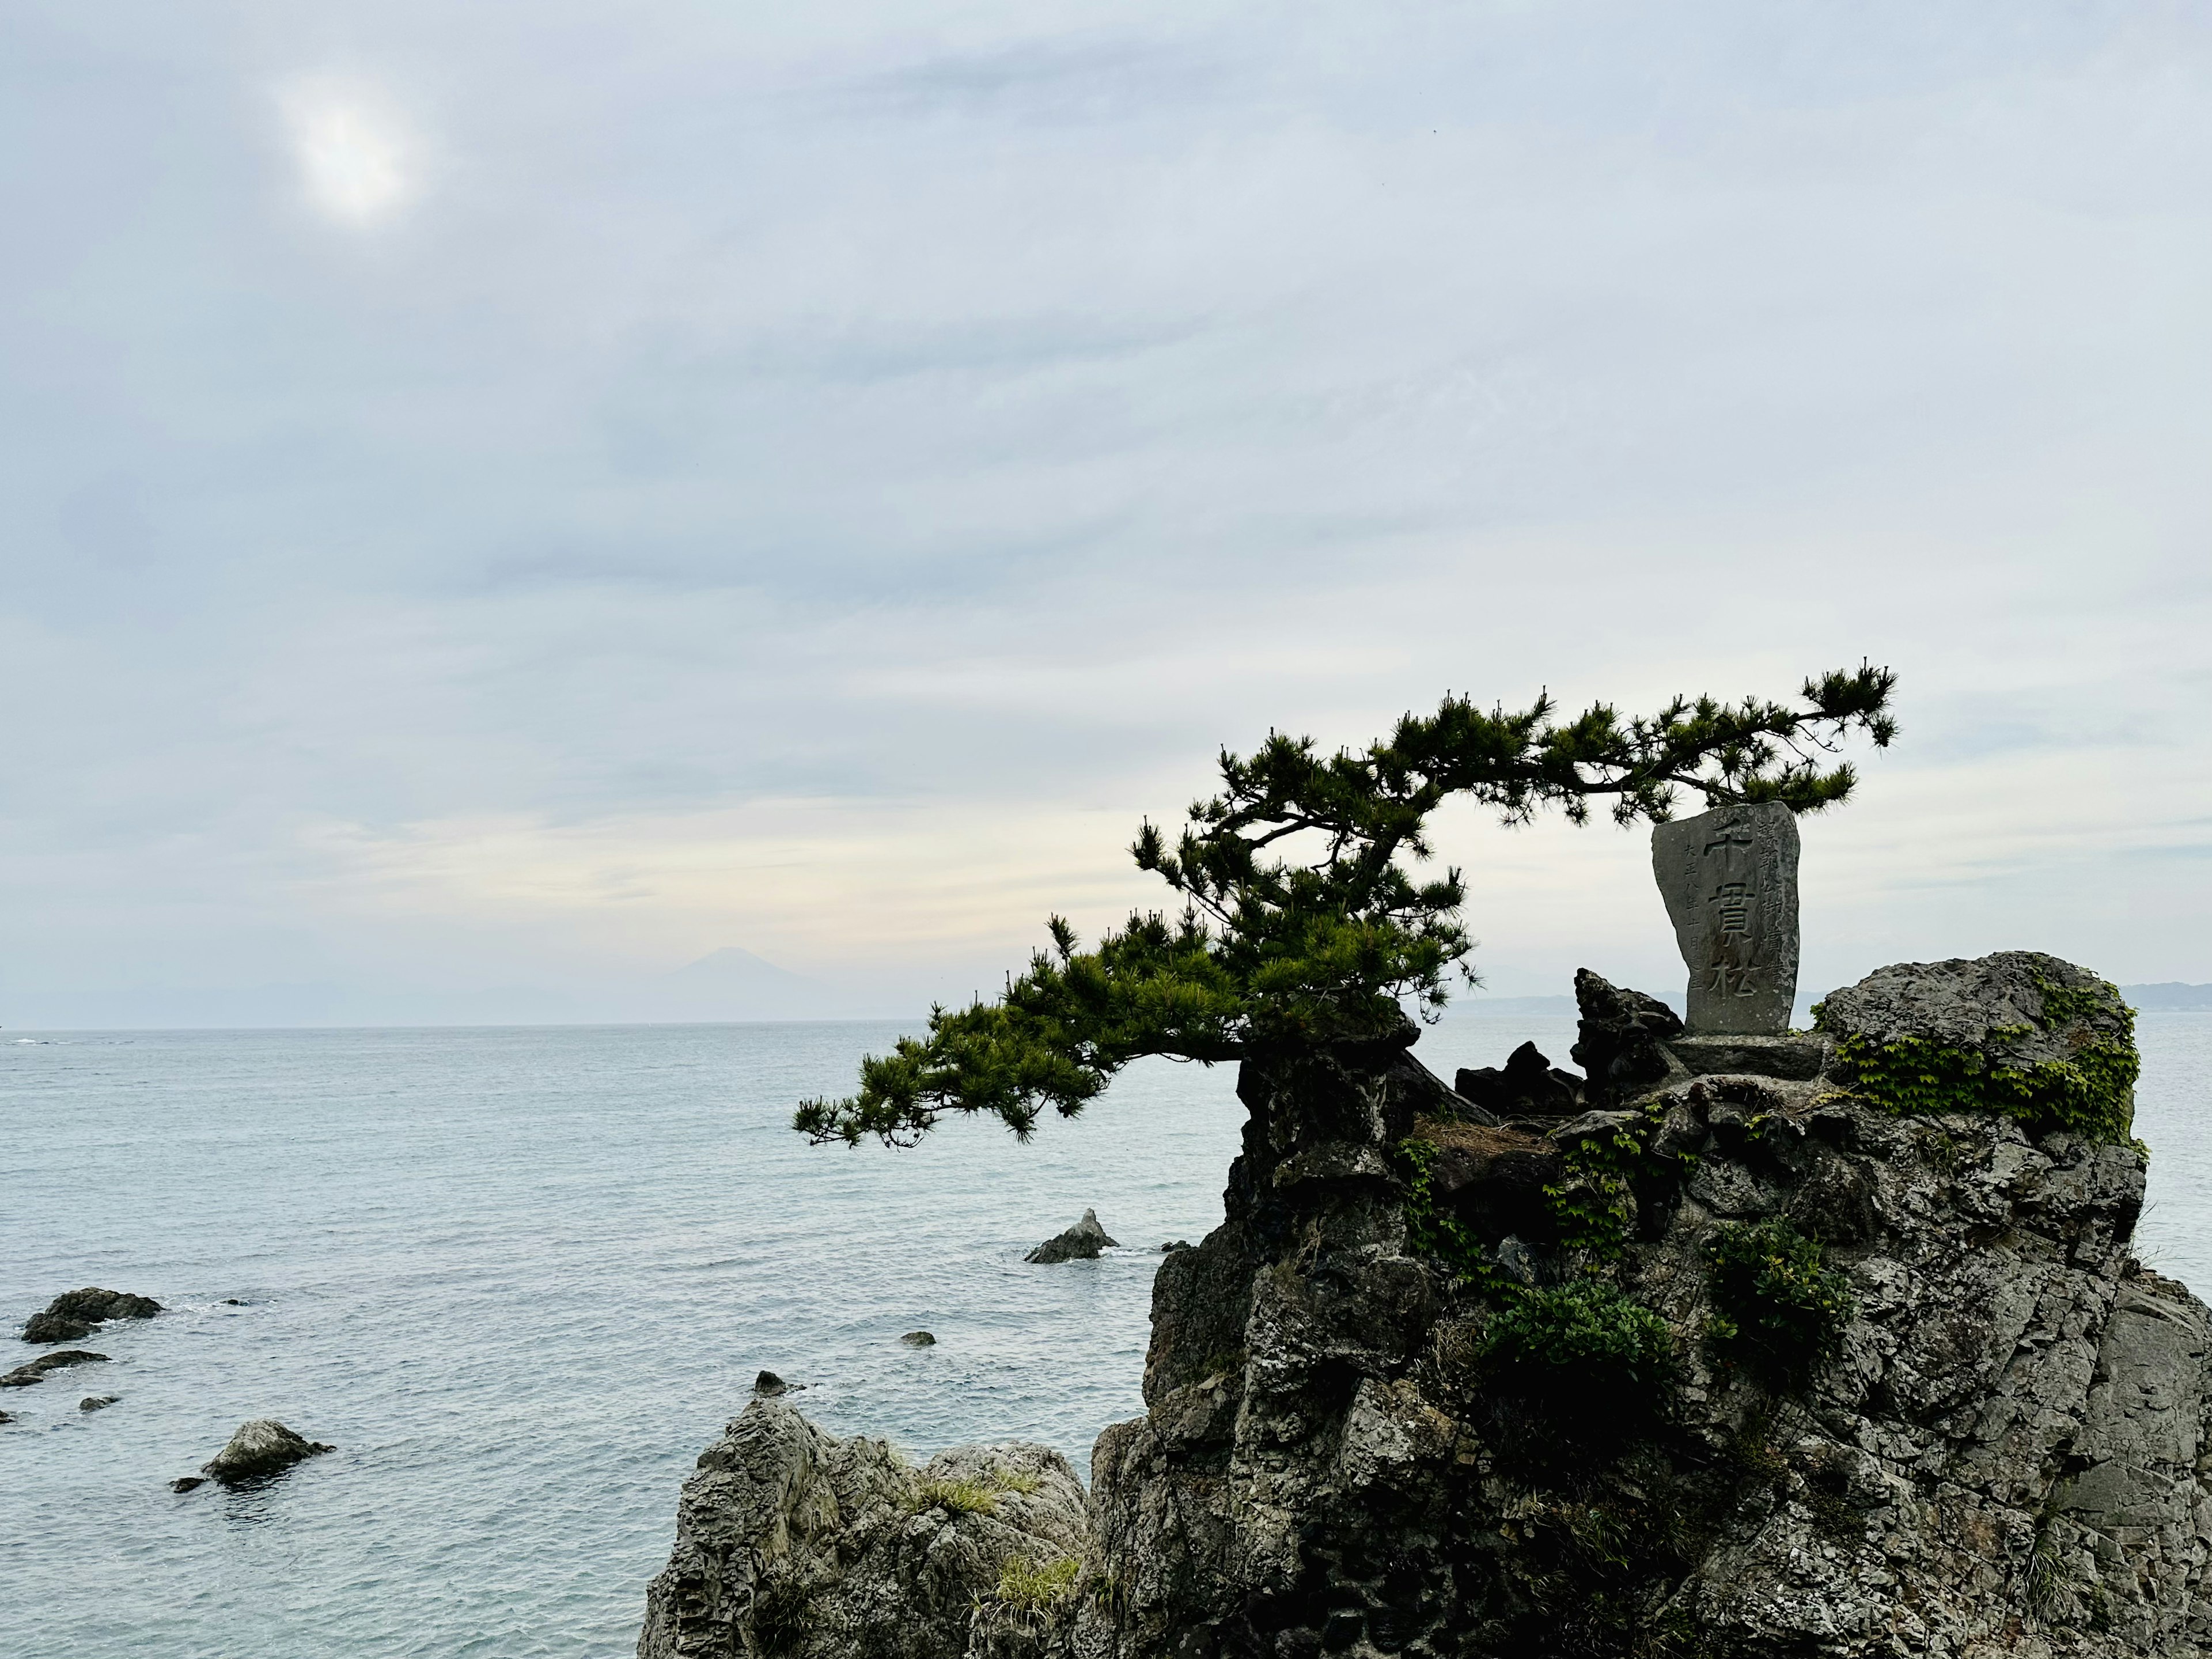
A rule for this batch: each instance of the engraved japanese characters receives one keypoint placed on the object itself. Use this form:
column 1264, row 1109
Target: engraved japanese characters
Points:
column 1730, row 878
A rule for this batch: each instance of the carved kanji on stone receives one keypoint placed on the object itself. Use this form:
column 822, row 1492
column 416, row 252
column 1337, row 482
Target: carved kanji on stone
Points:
column 1730, row 878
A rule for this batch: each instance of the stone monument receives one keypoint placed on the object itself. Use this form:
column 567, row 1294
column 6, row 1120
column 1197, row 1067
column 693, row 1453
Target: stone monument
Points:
column 1730, row 878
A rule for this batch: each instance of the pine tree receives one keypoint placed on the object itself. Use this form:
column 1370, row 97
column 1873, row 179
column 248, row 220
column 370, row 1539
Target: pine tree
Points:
column 1304, row 920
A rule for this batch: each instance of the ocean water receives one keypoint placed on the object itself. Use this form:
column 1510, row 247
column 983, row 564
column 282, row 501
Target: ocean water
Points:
column 520, row 1277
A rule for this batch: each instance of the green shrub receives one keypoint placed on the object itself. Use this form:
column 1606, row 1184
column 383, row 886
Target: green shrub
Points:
column 1777, row 1310
column 1583, row 1342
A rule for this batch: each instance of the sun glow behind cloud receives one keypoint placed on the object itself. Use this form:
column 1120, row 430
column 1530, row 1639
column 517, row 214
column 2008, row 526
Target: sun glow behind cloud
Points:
column 358, row 159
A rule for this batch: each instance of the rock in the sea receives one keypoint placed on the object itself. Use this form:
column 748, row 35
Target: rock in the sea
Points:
column 6, row 1417
column 1080, row 1243
column 1740, row 1364
column 70, row 1317
column 97, row 1403
column 24, row 1376
column 768, row 1385
column 260, row 1449
column 1175, row 1244
column 918, row 1340
column 1992, row 1442
column 789, row 1542
column 188, row 1483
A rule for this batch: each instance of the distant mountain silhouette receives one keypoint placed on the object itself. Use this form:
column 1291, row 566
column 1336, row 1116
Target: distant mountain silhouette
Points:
column 2172, row 997
column 731, row 984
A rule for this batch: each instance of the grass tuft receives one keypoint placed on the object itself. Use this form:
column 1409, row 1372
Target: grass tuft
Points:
column 1030, row 1585
column 956, row 1497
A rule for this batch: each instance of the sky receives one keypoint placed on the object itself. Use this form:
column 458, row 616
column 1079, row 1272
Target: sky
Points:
column 504, row 501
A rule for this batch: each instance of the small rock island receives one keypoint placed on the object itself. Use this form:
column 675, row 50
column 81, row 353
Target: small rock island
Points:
column 1740, row 1342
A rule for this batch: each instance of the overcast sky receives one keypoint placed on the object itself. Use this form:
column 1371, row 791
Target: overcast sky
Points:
column 519, row 495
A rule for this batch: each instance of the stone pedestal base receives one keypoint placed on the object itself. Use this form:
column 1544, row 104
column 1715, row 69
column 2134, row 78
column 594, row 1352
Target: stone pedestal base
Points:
column 1794, row 1058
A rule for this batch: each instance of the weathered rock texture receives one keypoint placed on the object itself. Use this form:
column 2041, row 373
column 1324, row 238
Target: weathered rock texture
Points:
column 789, row 1541
column 70, row 1317
column 1730, row 878
column 1080, row 1243
column 260, row 1449
column 2003, row 1450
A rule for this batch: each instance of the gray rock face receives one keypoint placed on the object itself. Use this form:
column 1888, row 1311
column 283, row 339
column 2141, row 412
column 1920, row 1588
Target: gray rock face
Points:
column 1730, row 878
column 70, row 1317
column 1080, row 1243
column 261, row 1448
column 790, row 1542
column 24, row 1376
column 1995, row 1004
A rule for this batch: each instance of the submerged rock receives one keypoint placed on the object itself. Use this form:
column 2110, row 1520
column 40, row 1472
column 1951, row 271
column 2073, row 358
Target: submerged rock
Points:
column 70, row 1317
column 188, row 1483
column 97, row 1403
column 261, row 1448
column 790, row 1542
column 1080, row 1243
column 24, row 1376
column 918, row 1340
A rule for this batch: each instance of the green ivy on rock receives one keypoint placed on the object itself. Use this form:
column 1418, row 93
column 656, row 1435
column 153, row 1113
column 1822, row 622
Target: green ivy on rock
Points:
column 2090, row 1093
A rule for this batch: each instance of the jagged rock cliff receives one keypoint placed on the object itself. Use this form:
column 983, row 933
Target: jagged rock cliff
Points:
column 1733, row 1355
column 790, row 1542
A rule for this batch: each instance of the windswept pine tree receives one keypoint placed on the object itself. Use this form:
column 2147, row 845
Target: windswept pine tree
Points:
column 1306, row 919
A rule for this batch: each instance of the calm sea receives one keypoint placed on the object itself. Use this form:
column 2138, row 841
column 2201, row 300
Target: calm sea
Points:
column 521, row 1277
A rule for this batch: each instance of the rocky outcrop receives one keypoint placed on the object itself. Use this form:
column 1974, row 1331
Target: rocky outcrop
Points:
column 1526, row 1086
column 1766, row 1353
column 789, row 1541
column 259, row 1449
column 71, row 1316
column 24, row 1376
column 1081, row 1243
column 1994, row 1449
column 1620, row 1044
